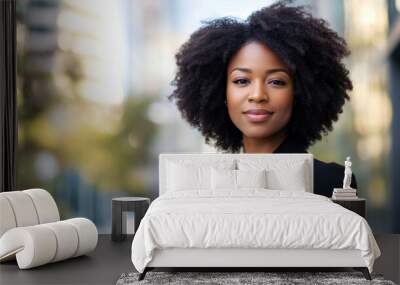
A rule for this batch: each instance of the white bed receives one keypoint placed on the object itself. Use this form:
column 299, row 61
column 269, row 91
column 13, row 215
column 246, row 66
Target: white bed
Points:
column 223, row 210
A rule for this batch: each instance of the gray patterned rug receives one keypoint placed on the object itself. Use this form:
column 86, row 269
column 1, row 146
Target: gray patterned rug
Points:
column 229, row 278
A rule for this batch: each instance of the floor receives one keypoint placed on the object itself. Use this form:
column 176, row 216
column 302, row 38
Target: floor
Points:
column 102, row 266
column 111, row 259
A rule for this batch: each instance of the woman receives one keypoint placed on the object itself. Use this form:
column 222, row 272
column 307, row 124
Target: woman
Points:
column 271, row 84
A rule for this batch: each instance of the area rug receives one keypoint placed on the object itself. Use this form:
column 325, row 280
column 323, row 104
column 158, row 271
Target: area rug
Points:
column 243, row 278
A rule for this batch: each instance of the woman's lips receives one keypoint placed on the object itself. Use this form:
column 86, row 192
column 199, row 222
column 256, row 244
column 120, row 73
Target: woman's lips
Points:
column 257, row 118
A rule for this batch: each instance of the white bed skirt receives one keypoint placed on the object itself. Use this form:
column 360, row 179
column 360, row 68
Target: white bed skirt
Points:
column 236, row 257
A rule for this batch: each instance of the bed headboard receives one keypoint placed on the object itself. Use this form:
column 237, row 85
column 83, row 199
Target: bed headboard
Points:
column 164, row 158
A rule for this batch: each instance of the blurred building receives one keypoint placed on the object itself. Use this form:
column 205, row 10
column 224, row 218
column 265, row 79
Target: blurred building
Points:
column 393, row 56
column 366, row 30
column 71, row 93
column 363, row 129
column 41, row 35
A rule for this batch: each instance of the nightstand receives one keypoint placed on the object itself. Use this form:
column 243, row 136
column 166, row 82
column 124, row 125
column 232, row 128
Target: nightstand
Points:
column 358, row 205
column 137, row 205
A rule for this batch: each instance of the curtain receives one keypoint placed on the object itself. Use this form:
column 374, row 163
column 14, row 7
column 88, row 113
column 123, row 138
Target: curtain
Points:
column 8, row 112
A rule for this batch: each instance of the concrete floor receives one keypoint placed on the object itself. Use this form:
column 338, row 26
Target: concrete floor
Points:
column 111, row 259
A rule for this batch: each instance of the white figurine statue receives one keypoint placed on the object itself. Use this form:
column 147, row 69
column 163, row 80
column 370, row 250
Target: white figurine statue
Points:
column 347, row 174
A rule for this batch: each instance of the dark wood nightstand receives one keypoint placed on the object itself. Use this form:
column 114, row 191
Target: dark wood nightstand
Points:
column 356, row 205
column 137, row 205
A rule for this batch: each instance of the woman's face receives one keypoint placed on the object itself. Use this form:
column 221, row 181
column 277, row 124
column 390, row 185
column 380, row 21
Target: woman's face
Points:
column 259, row 92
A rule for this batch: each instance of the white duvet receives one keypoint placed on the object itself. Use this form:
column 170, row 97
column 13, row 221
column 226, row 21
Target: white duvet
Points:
column 250, row 219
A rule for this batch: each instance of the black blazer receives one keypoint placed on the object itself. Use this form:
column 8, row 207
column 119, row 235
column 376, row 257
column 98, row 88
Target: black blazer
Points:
column 326, row 175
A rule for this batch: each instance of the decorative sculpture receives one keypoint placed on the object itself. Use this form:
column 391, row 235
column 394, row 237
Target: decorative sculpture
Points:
column 347, row 174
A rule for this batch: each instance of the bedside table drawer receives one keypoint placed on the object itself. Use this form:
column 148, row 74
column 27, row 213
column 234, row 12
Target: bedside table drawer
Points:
column 358, row 206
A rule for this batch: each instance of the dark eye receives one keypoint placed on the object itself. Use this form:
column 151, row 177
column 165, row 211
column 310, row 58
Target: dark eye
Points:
column 278, row 82
column 241, row 81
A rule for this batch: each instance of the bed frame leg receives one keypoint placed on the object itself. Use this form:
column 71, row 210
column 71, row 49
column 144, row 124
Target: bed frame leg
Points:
column 364, row 271
column 143, row 274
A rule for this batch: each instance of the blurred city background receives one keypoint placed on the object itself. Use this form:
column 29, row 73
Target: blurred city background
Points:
column 93, row 77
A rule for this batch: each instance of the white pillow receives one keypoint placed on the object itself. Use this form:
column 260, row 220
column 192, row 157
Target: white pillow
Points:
column 223, row 179
column 281, row 174
column 288, row 178
column 251, row 178
column 192, row 174
column 188, row 177
column 227, row 179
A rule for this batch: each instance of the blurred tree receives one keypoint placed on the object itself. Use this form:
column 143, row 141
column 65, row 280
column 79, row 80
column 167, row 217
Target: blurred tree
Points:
column 61, row 130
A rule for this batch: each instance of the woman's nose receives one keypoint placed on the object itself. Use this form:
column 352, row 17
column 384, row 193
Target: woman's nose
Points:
column 258, row 93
